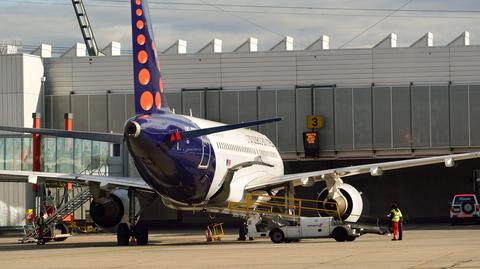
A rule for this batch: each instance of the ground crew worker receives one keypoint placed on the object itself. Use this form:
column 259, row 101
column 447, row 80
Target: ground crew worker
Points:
column 400, row 225
column 394, row 216
column 40, row 228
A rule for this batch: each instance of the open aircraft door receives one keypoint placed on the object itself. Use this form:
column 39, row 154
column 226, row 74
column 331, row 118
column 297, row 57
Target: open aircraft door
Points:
column 206, row 154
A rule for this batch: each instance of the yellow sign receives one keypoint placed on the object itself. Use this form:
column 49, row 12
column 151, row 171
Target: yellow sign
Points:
column 314, row 122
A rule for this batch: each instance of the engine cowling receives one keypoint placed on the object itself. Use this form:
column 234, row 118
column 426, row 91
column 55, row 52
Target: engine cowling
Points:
column 109, row 211
column 350, row 204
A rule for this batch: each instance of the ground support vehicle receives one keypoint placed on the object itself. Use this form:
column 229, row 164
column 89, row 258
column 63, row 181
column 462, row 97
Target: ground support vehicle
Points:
column 280, row 230
column 464, row 207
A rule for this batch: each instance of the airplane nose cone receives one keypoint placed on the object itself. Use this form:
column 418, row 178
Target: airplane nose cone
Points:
column 132, row 129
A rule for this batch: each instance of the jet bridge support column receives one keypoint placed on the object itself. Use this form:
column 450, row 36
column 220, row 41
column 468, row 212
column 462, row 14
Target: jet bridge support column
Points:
column 68, row 125
column 36, row 144
column 36, row 189
column 290, row 198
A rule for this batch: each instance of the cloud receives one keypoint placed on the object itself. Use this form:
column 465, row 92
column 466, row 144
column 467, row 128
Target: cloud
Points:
column 57, row 25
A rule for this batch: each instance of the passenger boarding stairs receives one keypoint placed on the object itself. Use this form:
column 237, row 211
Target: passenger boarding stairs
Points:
column 60, row 214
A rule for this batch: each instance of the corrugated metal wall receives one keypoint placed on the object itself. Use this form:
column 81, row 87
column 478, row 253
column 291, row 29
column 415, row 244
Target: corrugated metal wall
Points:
column 12, row 204
column 275, row 70
column 20, row 96
column 11, row 90
column 359, row 122
column 376, row 102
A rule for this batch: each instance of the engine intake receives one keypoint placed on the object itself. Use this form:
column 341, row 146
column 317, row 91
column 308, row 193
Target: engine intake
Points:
column 349, row 204
column 109, row 211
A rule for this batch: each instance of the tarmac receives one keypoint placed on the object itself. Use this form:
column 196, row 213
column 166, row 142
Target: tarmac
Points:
column 422, row 247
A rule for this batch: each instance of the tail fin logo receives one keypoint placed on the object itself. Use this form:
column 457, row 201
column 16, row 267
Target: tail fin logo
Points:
column 148, row 82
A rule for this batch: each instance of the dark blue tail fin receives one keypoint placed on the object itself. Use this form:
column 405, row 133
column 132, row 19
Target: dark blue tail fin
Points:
column 148, row 83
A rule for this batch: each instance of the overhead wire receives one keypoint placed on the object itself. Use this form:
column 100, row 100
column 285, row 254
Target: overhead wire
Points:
column 249, row 21
column 297, row 7
column 24, row 2
column 219, row 8
column 375, row 24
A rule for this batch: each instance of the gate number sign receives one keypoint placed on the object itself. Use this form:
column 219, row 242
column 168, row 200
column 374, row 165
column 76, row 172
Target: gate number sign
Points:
column 314, row 122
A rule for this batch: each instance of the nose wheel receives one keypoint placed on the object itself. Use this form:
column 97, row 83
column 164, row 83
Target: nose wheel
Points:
column 135, row 230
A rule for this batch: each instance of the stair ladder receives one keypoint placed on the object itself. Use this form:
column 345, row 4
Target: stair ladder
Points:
column 61, row 213
column 86, row 28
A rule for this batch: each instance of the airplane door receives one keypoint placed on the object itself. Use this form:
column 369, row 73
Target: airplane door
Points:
column 206, row 154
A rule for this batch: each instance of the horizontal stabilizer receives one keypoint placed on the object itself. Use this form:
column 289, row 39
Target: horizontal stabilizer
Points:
column 201, row 132
column 104, row 137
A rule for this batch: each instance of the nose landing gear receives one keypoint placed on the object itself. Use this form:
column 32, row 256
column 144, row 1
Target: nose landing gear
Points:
column 137, row 231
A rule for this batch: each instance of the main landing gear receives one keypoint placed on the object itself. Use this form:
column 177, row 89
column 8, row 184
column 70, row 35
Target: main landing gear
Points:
column 134, row 230
column 139, row 232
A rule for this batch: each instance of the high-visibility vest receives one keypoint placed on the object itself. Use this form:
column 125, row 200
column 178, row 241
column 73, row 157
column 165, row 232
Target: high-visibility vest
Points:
column 395, row 215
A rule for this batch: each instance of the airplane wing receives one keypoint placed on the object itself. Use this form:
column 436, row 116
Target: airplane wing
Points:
column 33, row 177
column 375, row 169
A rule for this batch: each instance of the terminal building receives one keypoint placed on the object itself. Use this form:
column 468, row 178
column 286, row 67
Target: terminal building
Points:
column 378, row 104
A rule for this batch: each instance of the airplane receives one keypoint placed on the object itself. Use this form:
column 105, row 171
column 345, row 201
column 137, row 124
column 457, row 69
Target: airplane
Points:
column 192, row 163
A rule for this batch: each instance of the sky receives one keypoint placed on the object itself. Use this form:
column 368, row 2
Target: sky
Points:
column 198, row 21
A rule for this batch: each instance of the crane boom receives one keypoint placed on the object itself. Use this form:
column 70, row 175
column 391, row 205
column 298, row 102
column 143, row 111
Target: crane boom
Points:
column 86, row 28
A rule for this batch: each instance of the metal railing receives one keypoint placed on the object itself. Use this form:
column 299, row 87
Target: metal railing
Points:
column 283, row 206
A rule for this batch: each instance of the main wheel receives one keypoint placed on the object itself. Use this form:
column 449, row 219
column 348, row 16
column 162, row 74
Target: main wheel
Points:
column 123, row 234
column 351, row 238
column 141, row 234
column 340, row 234
column 277, row 236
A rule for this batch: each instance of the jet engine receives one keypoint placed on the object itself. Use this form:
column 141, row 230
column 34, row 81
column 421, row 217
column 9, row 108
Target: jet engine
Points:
column 349, row 203
column 112, row 209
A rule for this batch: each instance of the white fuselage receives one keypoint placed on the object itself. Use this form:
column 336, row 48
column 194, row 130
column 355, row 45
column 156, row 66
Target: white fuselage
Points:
column 240, row 146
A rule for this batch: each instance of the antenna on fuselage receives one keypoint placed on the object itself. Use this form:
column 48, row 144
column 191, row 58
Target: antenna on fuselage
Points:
column 191, row 113
column 173, row 110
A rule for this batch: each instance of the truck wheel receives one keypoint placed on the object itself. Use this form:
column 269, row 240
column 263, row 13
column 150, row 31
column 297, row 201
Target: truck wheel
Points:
column 62, row 227
column 277, row 236
column 351, row 238
column 340, row 234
